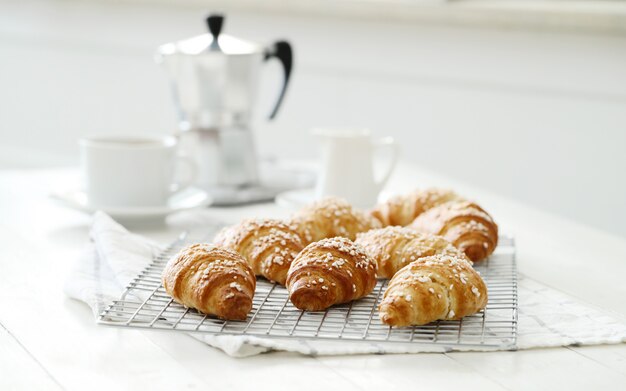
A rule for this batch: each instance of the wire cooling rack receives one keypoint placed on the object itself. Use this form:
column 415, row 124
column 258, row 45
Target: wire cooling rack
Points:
column 145, row 304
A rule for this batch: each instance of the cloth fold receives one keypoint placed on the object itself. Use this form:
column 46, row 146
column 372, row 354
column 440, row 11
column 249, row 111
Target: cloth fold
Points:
column 546, row 317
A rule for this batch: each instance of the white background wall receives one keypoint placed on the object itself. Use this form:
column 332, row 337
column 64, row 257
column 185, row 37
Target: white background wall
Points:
column 538, row 116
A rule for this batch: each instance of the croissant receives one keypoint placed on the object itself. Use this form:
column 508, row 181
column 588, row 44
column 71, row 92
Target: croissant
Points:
column 395, row 247
column 212, row 280
column 328, row 272
column 331, row 217
column 465, row 224
column 433, row 288
column 403, row 209
column 269, row 246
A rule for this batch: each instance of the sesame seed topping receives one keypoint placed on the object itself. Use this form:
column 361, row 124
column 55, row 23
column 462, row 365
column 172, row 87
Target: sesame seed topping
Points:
column 475, row 291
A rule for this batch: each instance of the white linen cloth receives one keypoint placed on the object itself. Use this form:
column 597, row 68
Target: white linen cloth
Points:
column 546, row 317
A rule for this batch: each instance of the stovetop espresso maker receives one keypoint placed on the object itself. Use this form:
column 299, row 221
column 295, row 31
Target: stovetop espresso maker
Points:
column 214, row 79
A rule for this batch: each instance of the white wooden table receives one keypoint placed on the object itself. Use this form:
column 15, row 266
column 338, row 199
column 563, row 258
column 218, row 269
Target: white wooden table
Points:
column 48, row 341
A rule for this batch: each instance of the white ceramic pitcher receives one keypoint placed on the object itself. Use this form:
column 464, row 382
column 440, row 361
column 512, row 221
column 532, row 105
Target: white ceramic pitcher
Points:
column 347, row 165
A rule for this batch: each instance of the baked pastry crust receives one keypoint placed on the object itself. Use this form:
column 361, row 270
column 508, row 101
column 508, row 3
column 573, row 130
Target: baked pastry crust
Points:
column 268, row 245
column 403, row 209
column 328, row 272
column 395, row 247
column 469, row 227
column 331, row 217
column 212, row 280
column 433, row 288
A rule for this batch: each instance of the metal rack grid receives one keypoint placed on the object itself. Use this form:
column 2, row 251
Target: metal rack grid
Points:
column 145, row 304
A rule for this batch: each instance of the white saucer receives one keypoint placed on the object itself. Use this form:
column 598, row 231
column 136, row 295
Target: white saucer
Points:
column 295, row 199
column 189, row 198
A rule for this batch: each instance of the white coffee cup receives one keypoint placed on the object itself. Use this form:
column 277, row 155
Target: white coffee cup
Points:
column 132, row 172
column 347, row 166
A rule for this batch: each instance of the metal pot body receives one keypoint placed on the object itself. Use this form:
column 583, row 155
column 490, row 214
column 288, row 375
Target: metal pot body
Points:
column 226, row 157
column 214, row 80
column 213, row 91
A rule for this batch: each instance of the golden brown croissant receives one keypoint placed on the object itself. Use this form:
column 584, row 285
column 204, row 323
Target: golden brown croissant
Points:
column 395, row 247
column 465, row 224
column 268, row 245
column 403, row 209
column 433, row 288
column 328, row 272
column 331, row 217
column 212, row 280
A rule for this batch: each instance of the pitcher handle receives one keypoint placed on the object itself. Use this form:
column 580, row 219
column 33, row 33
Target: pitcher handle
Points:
column 387, row 143
column 282, row 51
